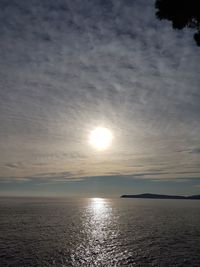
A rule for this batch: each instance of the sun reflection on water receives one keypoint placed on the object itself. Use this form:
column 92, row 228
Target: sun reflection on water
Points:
column 99, row 219
column 98, row 204
column 99, row 232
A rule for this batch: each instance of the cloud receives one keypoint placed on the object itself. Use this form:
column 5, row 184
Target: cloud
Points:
column 13, row 180
column 12, row 165
column 195, row 151
column 43, row 178
column 52, row 175
column 68, row 66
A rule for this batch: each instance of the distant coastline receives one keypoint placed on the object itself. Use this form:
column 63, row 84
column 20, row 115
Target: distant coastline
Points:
column 157, row 196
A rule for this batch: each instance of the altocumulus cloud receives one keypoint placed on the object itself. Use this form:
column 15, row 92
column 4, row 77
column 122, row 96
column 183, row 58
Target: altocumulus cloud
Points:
column 69, row 65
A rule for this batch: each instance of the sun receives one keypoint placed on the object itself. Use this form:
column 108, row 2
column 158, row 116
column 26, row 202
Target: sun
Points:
column 100, row 138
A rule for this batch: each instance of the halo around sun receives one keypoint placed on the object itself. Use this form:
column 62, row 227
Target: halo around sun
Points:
column 100, row 138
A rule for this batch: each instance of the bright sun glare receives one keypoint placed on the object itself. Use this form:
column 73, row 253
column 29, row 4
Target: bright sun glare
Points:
column 100, row 138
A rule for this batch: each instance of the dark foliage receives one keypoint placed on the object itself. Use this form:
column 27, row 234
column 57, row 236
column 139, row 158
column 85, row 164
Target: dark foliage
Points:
column 182, row 13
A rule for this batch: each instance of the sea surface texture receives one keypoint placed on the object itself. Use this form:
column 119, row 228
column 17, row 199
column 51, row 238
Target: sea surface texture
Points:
column 99, row 232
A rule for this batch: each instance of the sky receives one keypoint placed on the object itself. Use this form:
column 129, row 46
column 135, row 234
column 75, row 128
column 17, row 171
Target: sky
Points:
column 68, row 67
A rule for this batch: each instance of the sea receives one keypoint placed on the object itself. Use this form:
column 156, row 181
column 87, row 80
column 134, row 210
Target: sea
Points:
column 99, row 232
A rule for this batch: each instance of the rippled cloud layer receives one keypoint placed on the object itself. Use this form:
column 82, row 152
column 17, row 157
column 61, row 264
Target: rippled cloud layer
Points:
column 68, row 66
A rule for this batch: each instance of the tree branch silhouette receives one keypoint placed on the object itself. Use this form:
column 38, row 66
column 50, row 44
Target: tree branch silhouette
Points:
column 182, row 13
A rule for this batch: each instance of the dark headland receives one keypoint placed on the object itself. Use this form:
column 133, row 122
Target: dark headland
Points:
column 157, row 196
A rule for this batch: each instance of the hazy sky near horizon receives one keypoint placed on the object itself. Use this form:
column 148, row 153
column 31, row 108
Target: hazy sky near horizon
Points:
column 69, row 66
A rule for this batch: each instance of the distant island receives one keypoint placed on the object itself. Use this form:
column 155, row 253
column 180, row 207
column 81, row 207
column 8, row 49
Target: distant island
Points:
column 157, row 196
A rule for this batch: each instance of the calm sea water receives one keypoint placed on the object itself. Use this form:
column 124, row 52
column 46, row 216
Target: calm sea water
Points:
column 99, row 232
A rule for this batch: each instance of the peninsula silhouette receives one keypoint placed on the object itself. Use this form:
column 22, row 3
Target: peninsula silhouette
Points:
column 157, row 196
